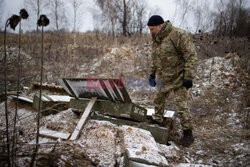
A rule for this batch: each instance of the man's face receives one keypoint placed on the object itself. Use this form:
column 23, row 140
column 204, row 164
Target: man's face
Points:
column 154, row 30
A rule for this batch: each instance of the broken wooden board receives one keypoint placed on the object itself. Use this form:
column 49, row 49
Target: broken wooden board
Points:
column 159, row 133
column 83, row 119
column 54, row 134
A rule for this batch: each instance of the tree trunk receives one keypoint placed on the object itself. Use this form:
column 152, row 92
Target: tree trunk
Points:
column 56, row 14
column 74, row 28
column 124, row 24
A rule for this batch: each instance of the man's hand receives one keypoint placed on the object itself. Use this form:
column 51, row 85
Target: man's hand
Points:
column 152, row 80
column 187, row 83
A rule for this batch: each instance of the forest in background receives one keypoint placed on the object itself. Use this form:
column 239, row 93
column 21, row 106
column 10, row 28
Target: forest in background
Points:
column 222, row 17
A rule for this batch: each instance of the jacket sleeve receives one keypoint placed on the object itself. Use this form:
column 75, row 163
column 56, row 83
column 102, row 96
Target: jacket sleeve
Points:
column 153, row 63
column 187, row 49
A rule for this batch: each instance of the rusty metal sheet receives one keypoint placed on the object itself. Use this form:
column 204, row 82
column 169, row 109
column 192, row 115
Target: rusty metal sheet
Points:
column 106, row 89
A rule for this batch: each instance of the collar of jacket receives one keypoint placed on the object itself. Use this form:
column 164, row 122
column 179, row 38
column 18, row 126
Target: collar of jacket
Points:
column 166, row 29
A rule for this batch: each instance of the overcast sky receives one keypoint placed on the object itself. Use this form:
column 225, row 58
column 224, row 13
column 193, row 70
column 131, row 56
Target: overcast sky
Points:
column 167, row 9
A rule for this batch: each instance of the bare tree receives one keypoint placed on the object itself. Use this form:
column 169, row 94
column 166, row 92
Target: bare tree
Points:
column 126, row 16
column 139, row 13
column 231, row 18
column 35, row 8
column 242, row 20
column 76, row 4
column 109, row 12
column 57, row 12
column 202, row 15
column 124, row 20
column 184, row 7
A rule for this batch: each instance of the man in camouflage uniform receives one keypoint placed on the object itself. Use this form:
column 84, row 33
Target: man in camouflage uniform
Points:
column 173, row 61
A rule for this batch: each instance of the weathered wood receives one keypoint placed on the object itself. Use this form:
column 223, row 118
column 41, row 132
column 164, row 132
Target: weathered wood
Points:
column 54, row 134
column 22, row 98
column 115, row 109
column 83, row 118
column 50, row 88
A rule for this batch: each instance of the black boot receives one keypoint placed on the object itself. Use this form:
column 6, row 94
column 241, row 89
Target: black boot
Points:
column 187, row 138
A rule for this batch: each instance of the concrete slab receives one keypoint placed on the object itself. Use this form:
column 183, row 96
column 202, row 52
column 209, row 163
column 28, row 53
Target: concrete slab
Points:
column 143, row 150
column 133, row 158
column 137, row 164
column 159, row 133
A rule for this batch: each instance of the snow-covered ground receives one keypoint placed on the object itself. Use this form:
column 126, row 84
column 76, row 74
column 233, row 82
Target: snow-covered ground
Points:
column 221, row 124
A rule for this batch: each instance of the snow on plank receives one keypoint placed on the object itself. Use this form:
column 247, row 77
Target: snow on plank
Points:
column 22, row 98
column 57, row 98
column 53, row 134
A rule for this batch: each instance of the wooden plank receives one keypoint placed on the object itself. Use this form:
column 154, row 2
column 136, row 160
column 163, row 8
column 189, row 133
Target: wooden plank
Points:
column 83, row 118
column 23, row 98
column 54, row 134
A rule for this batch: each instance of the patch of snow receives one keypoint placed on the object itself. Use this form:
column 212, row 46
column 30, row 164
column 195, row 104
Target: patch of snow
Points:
column 140, row 144
column 99, row 141
column 200, row 152
column 42, row 140
column 58, row 98
column 167, row 113
column 23, row 98
column 241, row 147
column 171, row 151
column 192, row 165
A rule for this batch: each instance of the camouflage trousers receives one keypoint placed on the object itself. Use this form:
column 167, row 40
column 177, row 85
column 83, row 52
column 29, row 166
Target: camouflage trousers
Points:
column 181, row 102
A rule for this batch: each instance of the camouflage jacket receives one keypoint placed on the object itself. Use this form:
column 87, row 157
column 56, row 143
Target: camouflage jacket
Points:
column 173, row 55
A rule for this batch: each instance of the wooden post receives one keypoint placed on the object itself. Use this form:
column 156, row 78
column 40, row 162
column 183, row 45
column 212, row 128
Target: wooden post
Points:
column 83, row 119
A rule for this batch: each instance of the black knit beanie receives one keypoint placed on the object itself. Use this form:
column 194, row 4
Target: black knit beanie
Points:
column 155, row 20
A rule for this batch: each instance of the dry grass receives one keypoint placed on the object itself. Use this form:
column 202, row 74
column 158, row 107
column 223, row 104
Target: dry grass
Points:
column 62, row 58
column 211, row 112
